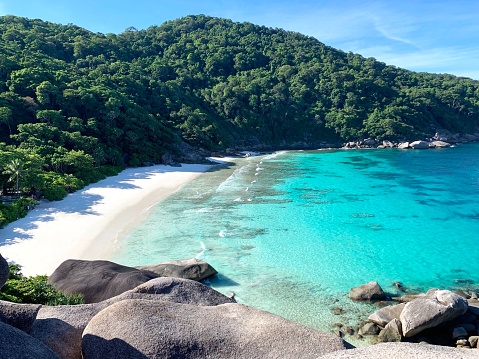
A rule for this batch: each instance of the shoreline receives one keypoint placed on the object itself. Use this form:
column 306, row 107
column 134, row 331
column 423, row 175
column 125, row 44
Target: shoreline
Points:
column 86, row 224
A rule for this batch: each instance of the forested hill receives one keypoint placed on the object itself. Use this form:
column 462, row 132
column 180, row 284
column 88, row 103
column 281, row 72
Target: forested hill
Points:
column 211, row 83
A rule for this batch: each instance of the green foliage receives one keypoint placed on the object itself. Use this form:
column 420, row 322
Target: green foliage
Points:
column 37, row 290
column 76, row 106
column 18, row 209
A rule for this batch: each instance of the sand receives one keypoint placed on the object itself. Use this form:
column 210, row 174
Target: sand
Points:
column 86, row 224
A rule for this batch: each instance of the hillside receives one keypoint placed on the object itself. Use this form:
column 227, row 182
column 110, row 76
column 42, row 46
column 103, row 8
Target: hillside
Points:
column 73, row 101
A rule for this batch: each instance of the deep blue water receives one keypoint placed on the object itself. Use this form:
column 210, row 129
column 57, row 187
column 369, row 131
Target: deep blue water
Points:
column 292, row 232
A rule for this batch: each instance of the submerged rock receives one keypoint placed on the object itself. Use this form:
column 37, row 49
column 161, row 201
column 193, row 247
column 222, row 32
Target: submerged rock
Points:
column 368, row 291
column 145, row 329
column 435, row 308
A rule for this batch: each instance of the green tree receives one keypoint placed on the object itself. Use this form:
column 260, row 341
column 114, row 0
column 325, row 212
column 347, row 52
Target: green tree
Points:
column 14, row 168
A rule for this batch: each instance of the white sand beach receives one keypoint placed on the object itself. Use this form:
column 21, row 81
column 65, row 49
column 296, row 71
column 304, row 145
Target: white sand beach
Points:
column 86, row 223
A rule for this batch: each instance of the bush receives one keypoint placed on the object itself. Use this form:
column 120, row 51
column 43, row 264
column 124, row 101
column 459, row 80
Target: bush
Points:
column 55, row 193
column 36, row 290
column 17, row 209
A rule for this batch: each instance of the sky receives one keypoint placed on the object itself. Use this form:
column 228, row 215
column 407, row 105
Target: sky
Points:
column 439, row 36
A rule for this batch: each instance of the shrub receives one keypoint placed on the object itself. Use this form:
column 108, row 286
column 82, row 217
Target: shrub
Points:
column 36, row 290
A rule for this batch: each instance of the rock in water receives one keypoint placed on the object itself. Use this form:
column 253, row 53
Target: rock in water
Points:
column 435, row 308
column 97, row 280
column 384, row 315
column 4, row 271
column 419, row 145
column 193, row 269
column 145, row 329
column 368, row 291
column 16, row 344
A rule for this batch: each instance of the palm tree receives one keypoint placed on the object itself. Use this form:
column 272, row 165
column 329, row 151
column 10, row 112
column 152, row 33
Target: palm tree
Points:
column 14, row 169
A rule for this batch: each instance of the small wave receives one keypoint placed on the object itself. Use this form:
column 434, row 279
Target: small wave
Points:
column 224, row 233
column 205, row 210
column 239, row 199
column 253, row 181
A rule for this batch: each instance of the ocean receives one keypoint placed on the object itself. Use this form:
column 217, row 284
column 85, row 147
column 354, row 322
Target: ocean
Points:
column 291, row 232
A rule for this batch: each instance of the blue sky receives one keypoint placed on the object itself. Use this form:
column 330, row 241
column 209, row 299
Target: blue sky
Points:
column 439, row 36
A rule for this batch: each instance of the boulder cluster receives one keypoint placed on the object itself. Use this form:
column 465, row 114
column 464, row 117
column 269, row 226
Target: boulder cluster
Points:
column 440, row 139
column 438, row 317
column 167, row 317
column 162, row 317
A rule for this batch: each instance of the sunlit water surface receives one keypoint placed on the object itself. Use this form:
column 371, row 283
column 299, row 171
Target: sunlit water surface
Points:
column 292, row 232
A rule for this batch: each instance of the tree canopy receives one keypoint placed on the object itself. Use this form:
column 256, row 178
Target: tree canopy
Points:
column 75, row 105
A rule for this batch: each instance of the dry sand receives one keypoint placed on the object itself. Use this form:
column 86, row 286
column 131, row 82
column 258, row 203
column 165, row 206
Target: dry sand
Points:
column 86, row 223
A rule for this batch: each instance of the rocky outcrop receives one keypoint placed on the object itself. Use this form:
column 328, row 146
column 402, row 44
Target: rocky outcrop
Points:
column 367, row 292
column 439, row 144
column 100, row 280
column 61, row 327
column 403, row 351
column 145, row 329
column 175, row 290
column 392, row 332
column 384, row 315
column 193, row 269
column 20, row 316
column 435, row 308
column 97, row 280
column 419, row 145
column 4, row 271
column 16, row 344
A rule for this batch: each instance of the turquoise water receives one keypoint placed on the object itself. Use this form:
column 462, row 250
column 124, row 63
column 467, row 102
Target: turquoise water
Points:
column 292, row 232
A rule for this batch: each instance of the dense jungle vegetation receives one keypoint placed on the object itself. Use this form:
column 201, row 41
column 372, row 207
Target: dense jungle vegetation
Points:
column 76, row 106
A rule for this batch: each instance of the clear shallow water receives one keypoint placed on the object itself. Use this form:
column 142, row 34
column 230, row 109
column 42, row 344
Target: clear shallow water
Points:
column 292, row 232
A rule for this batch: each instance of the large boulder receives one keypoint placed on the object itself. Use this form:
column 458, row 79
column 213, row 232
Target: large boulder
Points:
column 435, row 308
column 146, row 329
column 392, row 332
column 193, row 269
column 16, row 344
column 175, row 290
column 97, row 280
column 20, row 316
column 440, row 144
column 61, row 327
column 4, row 271
column 419, row 145
column 402, row 351
column 384, row 315
column 367, row 292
